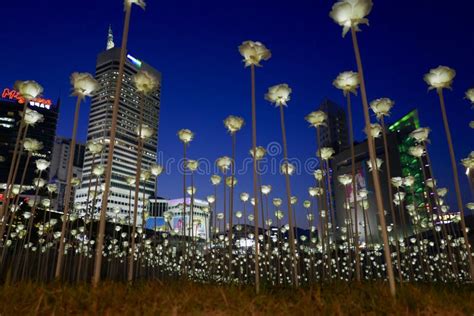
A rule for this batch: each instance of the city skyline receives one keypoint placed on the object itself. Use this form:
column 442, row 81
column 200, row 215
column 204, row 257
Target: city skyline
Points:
column 314, row 156
column 210, row 88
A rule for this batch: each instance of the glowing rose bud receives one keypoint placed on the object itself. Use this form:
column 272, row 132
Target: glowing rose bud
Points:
column 231, row 181
column 129, row 3
column 279, row 215
column 220, row 216
column 145, row 132
column 156, row 170
column 397, row 181
column 440, row 77
column 470, row 206
column 430, row 183
column 145, row 175
column 287, row 168
column 471, row 124
column 306, row 204
column 277, row 202
column 469, row 161
column 28, row 89
column 211, row 199
column 416, row 151
column 16, row 190
column 259, row 151
column 364, row 204
column 363, row 193
column 347, row 81
column 215, row 179
column 46, row 203
column 252, row 201
column 95, row 147
column 326, row 153
column 250, row 218
column 345, row 179
column 42, row 164
column 32, row 145
column 185, row 135
column 192, row 165
column 398, row 198
column 253, row 53
column 470, row 95
column 244, row 197
column 351, row 13
column 278, row 94
column 376, row 130
column 191, row 190
column 116, row 210
column 98, row 170
column 378, row 163
column 233, row 123
column 224, row 163
column 32, row 117
column 266, row 189
column 319, row 174
column 382, row 107
column 38, row 182
column 130, row 180
column 52, row 188
column 75, row 181
column 442, row 192
column 293, row 200
column 316, row 118
column 83, row 84
column 145, row 82
column 409, row 181
column 420, row 134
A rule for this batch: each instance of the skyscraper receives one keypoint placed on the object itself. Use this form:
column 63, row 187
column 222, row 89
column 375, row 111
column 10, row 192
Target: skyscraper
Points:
column 335, row 134
column 58, row 167
column 125, row 153
column 11, row 106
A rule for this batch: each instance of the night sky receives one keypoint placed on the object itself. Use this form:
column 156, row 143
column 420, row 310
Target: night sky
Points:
column 194, row 45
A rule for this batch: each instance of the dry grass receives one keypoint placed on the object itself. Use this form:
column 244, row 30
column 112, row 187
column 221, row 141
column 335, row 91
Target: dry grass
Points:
column 178, row 298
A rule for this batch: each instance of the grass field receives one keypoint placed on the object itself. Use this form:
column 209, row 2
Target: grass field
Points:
column 153, row 298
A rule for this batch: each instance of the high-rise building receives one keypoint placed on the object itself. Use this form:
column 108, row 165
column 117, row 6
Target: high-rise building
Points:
column 11, row 107
column 401, row 165
column 58, row 168
column 100, row 121
column 335, row 133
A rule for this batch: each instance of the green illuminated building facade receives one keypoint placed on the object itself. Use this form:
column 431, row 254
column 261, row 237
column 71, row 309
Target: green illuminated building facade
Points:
column 409, row 165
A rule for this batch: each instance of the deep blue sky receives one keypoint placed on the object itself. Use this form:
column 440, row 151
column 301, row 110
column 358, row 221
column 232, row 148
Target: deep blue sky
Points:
column 194, row 45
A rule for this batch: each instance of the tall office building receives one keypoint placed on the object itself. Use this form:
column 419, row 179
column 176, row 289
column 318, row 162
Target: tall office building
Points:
column 335, row 134
column 125, row 153
column 11, row 107
column 58, row 168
